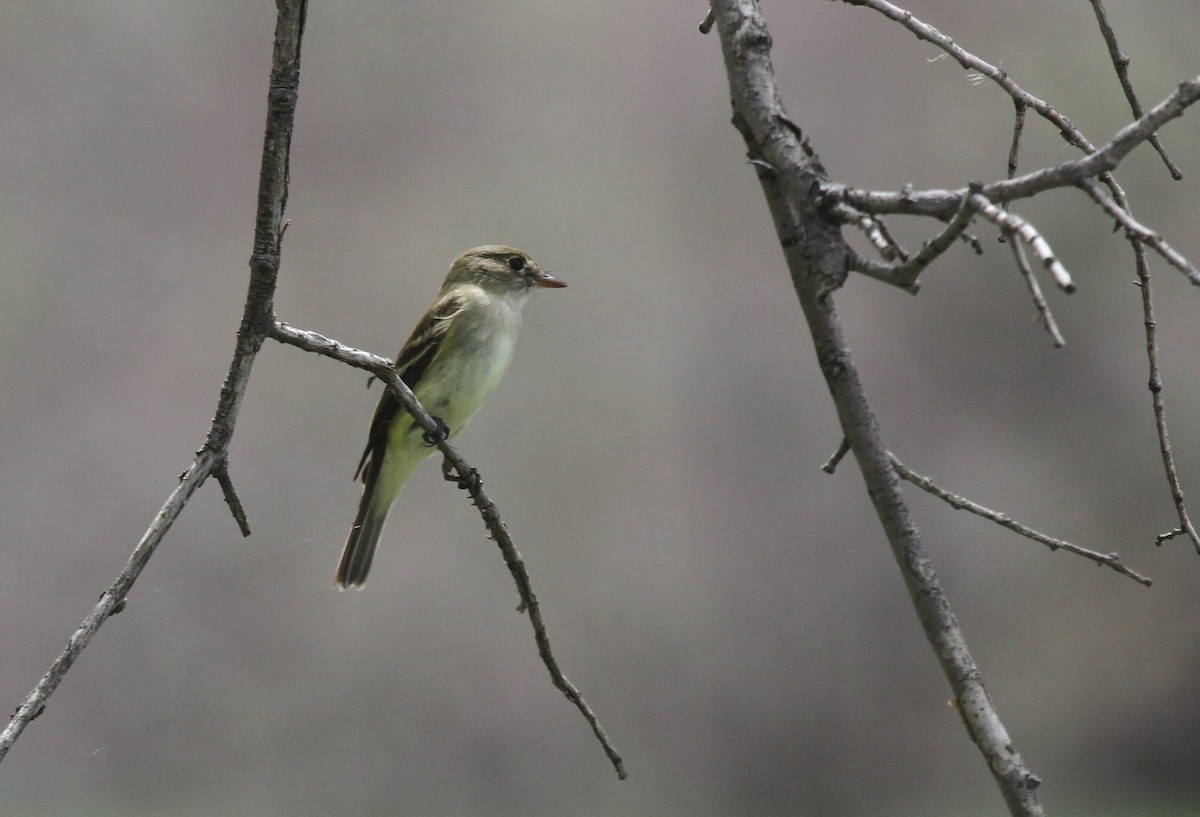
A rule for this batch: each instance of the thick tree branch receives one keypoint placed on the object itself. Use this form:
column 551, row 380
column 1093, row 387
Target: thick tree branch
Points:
column 256, row 319
column 818, row 258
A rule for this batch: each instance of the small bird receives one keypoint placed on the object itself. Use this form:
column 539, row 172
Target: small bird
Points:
column 452, row 362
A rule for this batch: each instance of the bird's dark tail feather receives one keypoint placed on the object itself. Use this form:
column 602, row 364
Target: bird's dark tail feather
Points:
column 360, row 547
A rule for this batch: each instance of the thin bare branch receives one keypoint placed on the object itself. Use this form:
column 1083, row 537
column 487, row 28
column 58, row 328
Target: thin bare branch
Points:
column 1139, row 237
column 1011, row 223
column 1081, row 172
column 935, row 247
column 1111, row 560
column 1035, row 290
column 1120, row 62
column 1159, row 402
column 1014, row 150
column 928, row 33
column 904, row 274
column 943, row 203
column 874, row 229
column 882, row 271
column 467, row 478
column 1134, row 230
column 231, row 498
column 835, row 459
column 981, row 67
column 1107, row 157
column 1022, row 99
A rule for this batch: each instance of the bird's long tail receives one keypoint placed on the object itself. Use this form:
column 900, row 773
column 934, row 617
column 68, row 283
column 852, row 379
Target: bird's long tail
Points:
column 383, row 480
column 360, row 546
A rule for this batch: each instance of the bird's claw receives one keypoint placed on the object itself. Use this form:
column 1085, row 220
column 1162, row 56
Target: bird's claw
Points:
column 443, row 434
column 471, row 481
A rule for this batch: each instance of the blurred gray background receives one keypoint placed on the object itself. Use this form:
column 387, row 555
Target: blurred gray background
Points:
column 732, row 614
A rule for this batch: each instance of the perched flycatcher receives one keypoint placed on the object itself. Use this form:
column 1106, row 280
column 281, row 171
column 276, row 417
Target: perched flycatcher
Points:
column 452, row 362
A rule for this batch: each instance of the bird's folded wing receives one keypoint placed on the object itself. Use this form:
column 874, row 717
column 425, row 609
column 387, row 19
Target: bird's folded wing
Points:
column 412, row 362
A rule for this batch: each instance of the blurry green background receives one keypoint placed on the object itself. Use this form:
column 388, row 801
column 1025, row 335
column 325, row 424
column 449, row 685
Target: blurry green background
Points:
column 732, row 614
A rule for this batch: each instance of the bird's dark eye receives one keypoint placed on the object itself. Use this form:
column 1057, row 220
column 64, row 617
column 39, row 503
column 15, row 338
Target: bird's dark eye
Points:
column 516, row 263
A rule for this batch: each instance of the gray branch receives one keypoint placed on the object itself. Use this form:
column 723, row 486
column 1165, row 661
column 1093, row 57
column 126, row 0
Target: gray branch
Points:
column 944, row 203
column 1136, row 231
column 1112, row 560
column 817, row 259
column 258, row 322
column 1013, row 225
column 1120, row 63
column 257, row 317
column 467, row 478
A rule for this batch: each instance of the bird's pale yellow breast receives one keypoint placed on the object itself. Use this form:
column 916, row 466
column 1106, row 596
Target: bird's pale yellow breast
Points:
column 473, row 358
